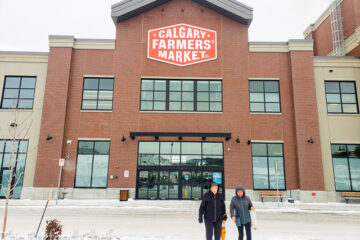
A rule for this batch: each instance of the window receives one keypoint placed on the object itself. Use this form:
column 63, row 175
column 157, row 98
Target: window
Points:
column 181, row 95
column 92, row 164
column 264, row 96
column 346, row 162
column 98, row 94
column 181, row 154
column 341, row 97
column 20, row 151
column 264, row 157
column 18, row 92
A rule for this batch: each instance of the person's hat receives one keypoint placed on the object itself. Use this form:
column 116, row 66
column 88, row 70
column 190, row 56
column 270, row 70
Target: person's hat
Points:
column 214, row 184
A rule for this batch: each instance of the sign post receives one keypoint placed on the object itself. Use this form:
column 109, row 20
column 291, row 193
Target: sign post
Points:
column 61, row 164
column 277, row 180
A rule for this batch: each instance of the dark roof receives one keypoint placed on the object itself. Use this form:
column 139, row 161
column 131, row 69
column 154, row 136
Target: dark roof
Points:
column 230, row 8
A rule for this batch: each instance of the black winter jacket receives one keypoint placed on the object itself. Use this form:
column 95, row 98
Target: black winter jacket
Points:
column 212, row 207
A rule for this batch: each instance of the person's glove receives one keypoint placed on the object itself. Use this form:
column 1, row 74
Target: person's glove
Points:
column 200, row 220
column 225, row 217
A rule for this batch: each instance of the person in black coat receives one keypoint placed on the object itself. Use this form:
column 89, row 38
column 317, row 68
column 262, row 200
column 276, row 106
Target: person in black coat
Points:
column 214, row 211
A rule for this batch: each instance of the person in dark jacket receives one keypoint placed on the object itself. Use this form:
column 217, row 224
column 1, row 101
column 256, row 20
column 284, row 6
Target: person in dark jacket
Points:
column 214, row 211
column 240, row 207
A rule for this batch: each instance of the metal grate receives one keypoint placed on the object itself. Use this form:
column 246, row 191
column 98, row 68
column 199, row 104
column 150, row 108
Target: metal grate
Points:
column 337, row 28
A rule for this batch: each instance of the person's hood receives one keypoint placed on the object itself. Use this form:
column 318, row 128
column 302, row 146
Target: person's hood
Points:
column 239, row 187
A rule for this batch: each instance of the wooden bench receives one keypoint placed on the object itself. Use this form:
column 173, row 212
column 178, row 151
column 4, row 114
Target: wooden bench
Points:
column 350, row 195
column 271, row 194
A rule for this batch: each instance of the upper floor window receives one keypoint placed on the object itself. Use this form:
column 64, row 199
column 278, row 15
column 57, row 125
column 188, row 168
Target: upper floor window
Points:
column 264, row 96
column 341, row 97
column 18, row 92
column 98, row 94
column 181, row 95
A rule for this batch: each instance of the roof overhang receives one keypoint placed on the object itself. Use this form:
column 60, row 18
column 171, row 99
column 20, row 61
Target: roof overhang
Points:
column 229, row 8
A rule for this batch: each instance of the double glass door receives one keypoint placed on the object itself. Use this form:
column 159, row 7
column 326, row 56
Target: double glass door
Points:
column 176, row 183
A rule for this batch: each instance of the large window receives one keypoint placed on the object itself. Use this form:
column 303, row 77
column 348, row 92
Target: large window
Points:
column 92, row 164
column 264, row 158
column 180, row 153
column 98, row 94
column 19, row 148
column 346, row 161
column 181, row 95
column 264, row 96
column 341, row 97
column 18, row 92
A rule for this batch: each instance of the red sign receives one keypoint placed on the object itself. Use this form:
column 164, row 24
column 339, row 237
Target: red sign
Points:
column 182, row 44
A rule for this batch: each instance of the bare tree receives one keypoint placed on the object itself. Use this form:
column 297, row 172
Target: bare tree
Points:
column 18, row 132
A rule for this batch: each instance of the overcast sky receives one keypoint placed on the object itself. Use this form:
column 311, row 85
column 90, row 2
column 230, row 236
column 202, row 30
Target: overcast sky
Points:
column 26, row 24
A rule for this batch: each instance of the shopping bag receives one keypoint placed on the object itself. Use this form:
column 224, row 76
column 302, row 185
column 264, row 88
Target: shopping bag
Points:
column 223, row 231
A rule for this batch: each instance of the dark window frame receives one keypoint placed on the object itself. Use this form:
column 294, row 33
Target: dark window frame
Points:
column 97, row 97
column 92, row 164
column 19, row 89
column 168, row 91
column 341, row 100
column 263, row 92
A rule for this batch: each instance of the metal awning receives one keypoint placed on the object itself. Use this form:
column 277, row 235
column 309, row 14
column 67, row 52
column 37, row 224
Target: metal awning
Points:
column 227, row 136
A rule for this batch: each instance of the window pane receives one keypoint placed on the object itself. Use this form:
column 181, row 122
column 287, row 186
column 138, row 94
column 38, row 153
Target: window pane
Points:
column 203, row 86
column 175, row 106
column 188, row 106
column 147, row 85
column 163, row 192
column 276, row 180
column 147, row 95
column 7, row 160
column 256, row 97
column 106, row 95
column 107, row 83
column 2, row 145
column 164, row 177
column 175, row 85
column 334, row 108
column 11, row 93
column 160, row 85
column 143, row 177
column 86, row 147
column 333, row 98
column 203, row 106
column 215, row 106
column 272, row 97
column 191, row 148
column 215, row 86
column 142, row 192
column 4, row 183
column 23, row 146
column 173, row 191
column 89, row 104
column 215, row 161
column 348, row 98
column 146, row 105
column 256, row 86
column 83, row 171
column 149, row 147
column 355, row 173
column 341, row 170
column 354, row 151
column 169, row 148
column 10, row 145
column 275, row 150
column 257, row 107
column 271, row 86
column 102, row 148
column 212, row 148
column 258, row 149
column 338, row 151
column 153, row 177
column 260, row 173
column 28, row 82
column 191, row 160
column 100, row 171
column 332, row 87
column 174, row 177
column 347, row 87
column 175, row 96
column 9, row 103
column 160, row 96
column 148, row 159
column 203, row 96
column 272, row 107
column 153, row 190
column 350, row 108
column 214, row 96
column 91, row 83
column 25, row 103
column 105, row 105
column 169, row 160
column 90, row 94
column 188, row 86
column 159, row 106
column 188, row 96
column 12, row 82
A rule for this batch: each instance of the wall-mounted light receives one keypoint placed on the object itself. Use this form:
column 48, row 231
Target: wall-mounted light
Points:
column 227, row 138
column 13, row 124
column 203, row 138
column 310, row 141
column 249, row 142
column 180, row 138
column 48, row 138
column 238, row 140
column 123, row 139
column 132, row 137
column 156, row 138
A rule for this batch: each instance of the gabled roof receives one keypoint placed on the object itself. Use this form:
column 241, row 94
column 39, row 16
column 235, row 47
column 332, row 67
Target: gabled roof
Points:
column 230, row 8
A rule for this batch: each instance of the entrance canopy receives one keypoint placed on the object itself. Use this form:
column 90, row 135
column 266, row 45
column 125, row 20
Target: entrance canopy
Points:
column 227, row 136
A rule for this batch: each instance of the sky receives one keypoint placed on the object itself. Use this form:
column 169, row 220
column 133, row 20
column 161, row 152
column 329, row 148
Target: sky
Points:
column 26, row 24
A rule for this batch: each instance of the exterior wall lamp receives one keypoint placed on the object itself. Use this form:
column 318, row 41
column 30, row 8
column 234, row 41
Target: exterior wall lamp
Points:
column 310, row 141
column 123, row 139
column 48, row 138
column 249, row 142
column 238, row 140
